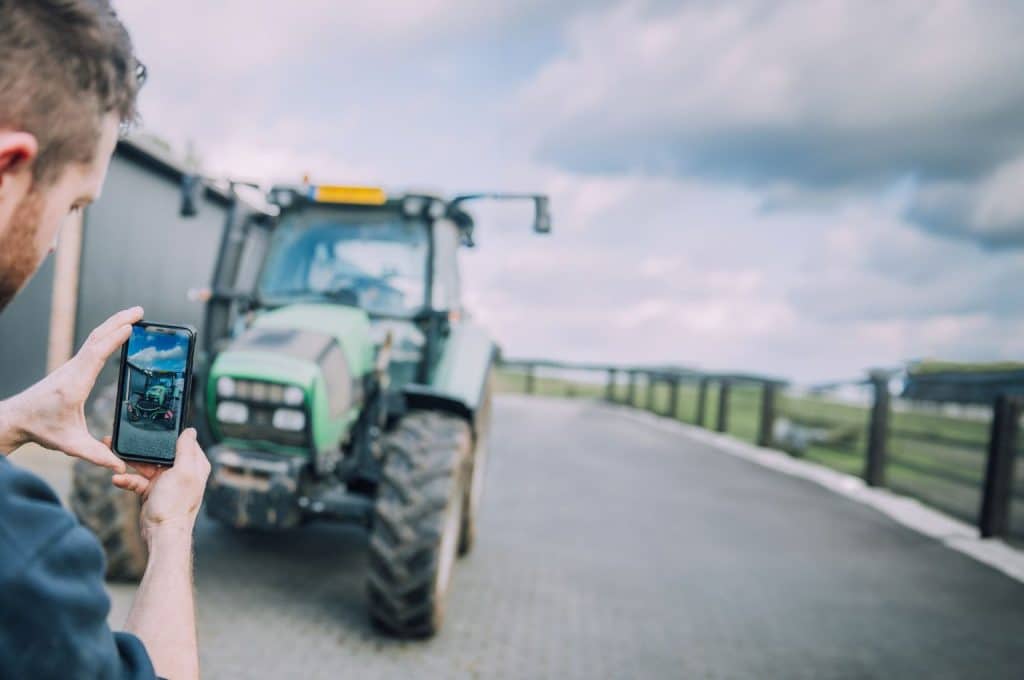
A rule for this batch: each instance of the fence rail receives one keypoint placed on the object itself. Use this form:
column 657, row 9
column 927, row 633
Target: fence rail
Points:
column 960, row 465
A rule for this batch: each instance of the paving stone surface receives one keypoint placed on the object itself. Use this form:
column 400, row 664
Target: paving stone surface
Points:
column 147, row 438
column 613, row 550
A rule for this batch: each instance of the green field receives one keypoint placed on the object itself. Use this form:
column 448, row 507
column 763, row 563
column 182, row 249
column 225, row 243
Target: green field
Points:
column 937, row 458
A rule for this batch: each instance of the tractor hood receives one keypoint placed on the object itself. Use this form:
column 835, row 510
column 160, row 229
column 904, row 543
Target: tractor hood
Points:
column 348, row 325
column 325, row 350
column 290, row 345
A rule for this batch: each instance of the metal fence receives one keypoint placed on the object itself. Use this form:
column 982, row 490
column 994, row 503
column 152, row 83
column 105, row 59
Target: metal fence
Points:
column 959, row 458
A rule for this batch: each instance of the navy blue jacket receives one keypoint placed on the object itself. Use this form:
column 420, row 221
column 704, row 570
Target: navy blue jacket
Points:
column 53, row 607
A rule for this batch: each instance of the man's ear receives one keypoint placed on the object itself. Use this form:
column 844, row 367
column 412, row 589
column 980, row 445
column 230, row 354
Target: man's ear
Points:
column 17, row 151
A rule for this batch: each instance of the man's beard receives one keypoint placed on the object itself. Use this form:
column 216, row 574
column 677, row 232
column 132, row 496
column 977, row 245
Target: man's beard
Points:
column 18, row 247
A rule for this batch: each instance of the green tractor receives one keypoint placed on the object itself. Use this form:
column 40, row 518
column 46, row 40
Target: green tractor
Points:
column 153, row 402
column 342, row 381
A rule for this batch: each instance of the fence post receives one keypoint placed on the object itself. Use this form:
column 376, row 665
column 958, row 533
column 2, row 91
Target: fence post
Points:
column 631, row 389
column 998, row 489
column 651, row 382
column 702, row 394
column 723, row 406
column 673, row 398
column 767, row 425
column 529, row 379
column 609, row 390
column 878, row 430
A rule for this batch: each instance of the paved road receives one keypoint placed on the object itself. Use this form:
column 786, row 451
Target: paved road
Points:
column 146, row 438
column 613, row 550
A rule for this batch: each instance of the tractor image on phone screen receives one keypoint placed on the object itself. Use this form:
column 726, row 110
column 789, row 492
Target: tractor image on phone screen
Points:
column 155, row 368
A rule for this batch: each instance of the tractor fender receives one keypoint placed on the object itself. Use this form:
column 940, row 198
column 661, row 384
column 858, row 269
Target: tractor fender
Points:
column 458, row 384
column 425, row 397
column 464, row 367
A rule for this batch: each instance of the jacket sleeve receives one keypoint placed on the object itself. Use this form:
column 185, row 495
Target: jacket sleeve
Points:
column 54, row 606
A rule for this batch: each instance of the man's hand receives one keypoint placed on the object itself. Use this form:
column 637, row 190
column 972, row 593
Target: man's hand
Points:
column 51, row 413
column 170, row 495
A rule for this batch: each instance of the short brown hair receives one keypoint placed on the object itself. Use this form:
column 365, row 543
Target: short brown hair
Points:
column 64, row 65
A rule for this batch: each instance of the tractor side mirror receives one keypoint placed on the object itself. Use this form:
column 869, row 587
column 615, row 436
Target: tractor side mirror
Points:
column 190, row 187
column 542, row 215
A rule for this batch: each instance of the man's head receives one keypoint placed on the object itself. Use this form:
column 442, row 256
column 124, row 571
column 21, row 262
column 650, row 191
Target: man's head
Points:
column 69, row 79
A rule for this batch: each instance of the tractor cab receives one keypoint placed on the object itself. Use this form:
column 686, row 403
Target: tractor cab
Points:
column 393, row 256
column 385, row 256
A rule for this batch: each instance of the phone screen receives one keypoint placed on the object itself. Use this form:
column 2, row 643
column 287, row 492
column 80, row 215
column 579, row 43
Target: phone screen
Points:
column 156, row 363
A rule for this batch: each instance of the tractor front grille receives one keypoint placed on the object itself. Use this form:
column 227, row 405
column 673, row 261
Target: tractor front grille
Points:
column 260, row 426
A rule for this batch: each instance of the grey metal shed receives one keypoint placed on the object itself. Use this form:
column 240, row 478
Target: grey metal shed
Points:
column 131, row 248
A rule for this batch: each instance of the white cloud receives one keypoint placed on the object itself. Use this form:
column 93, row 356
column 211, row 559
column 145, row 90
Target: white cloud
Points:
column 673, row 271
column 900, row 75
column 289, row 148
column 231, row 38
column 797, row 96
column 1000, row 207
column 150, row 356
column 780, row 268
column 989, row 210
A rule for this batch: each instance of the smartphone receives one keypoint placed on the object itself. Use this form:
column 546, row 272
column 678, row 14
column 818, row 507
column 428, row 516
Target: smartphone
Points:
column 153, row 392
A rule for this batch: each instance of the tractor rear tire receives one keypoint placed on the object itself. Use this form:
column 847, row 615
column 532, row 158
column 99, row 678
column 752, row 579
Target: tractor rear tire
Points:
column 113, row 515
column 110, row 513
column 417, row 522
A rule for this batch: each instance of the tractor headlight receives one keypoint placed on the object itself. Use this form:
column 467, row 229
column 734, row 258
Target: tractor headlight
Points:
column 232, row 412
column 289, row 419
column 225, row 387
column 293, row 396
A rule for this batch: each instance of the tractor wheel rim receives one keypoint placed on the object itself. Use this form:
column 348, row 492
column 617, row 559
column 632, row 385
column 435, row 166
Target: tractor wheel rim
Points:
column 476, row 488
column 449, row 541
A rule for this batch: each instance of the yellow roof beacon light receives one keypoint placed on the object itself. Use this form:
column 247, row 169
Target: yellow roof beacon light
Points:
column 329, row 193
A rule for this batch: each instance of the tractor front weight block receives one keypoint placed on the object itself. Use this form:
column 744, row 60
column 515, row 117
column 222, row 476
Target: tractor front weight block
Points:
column 252, row 489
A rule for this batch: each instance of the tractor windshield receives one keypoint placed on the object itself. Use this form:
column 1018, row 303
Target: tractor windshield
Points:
column 374, row 260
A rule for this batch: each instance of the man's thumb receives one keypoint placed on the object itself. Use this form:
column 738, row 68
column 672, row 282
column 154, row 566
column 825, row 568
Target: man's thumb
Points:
column 188, row 439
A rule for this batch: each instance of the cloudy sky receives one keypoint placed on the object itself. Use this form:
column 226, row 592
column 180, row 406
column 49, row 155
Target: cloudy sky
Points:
column 802, row 189
column 159, row 352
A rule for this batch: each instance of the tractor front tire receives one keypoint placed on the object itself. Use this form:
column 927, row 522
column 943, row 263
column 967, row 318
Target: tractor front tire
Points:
column 113, row 515
column 417, row 522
